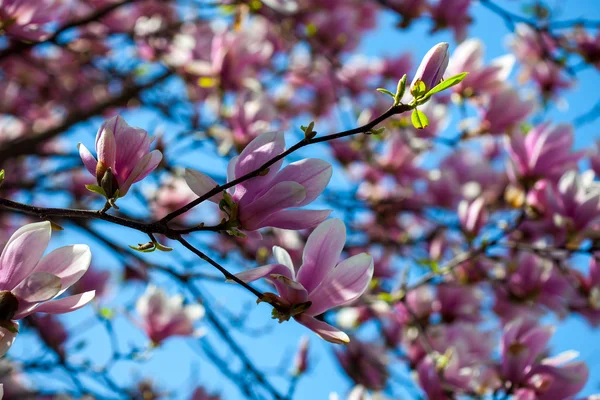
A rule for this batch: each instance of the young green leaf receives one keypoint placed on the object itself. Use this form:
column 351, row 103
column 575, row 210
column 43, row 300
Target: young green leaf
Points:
column 419, row 119
column 447, row 83
column 385, row 91
column 400, row 90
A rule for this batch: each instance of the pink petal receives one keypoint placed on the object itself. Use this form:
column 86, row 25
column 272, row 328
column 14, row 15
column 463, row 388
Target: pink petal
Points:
column 312, row 173
column 321, row 253
column 283, row 257
column 323, row 329
column 288, row 289
column 106, row 147
column 345, row 283
column 37, row 287
column 66, row 304
column 257, row 153
column 7, row 338
column 280, row 196
column 22, row 253
column 143, row 168
column 201, row 184
column 69, row 263
column 88, row 159
column 261, row 272
column 296, row 219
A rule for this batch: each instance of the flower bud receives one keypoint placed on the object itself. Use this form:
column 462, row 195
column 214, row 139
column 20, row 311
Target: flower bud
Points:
column 432, row 67
column 301, row 359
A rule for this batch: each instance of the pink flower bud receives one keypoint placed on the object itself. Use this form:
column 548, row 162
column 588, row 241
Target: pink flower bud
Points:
column 432, row 68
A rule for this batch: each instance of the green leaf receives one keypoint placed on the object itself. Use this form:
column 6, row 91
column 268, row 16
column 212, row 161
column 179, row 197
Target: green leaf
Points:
column 385, row 91
column 447, row 83
column 1, row 176
column 419, row 119
column 418, row 89
column 96, row 189
column 161, row 247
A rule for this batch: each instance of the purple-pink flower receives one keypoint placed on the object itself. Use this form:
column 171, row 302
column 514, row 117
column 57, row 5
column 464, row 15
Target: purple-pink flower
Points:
column 320, row 284
column 472, row 216
column 544, row 152
column 504, row 111
column 482, row 79
column 523, row 344
column 432, row 67
column 124, row 156
column 163, row 316
column 265, row 200
column 31, row 283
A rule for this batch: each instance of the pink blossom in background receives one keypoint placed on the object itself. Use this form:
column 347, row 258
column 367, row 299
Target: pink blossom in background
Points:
column 31, row 283
column 482, row 79
column 472, row 216
column 164, row 316
column 264, row 200
column 26, row 19
column 452, row 14
column 504, row 111
column 123, row 150
column 321, row 283
column 365, row 363
column 544, row 152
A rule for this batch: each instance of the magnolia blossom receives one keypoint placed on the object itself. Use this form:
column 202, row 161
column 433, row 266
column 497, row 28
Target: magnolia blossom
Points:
column 586, row 299
column 124, row 157
column 201, row 394
column 320, row 284
column 532, row 283
column 453, row 14
column 544, row 152
column 432, row 67
column 365, row 364
column 574, row 204
column 482, row 79
column 163, row 317
column 504, row 111
column 523, row 342
column 25, row 19
column 264, row 200
column 31, row 283
column 472, row 216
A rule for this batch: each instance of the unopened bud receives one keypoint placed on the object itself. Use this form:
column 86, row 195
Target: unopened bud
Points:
column 301, row 359
column 432, row 67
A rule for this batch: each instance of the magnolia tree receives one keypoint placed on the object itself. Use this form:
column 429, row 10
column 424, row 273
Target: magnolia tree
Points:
column 419, row 223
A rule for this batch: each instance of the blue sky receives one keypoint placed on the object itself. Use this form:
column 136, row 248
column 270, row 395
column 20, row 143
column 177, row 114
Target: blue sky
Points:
column 177, row 366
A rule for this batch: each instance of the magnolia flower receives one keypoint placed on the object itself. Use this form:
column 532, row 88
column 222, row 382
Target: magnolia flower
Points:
column 453, row 14
column 201, row 394
column 504, row 111
column 472, row 216
column 26, row 19
column 468, row 56
column 523, row 343
column 319, row 284
column 432, row 67
column 264, row 200
column 124, row 157
column 574, row 203
column 365, row 363
column 544, row 152
column 163, row 316
column 29, row 282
